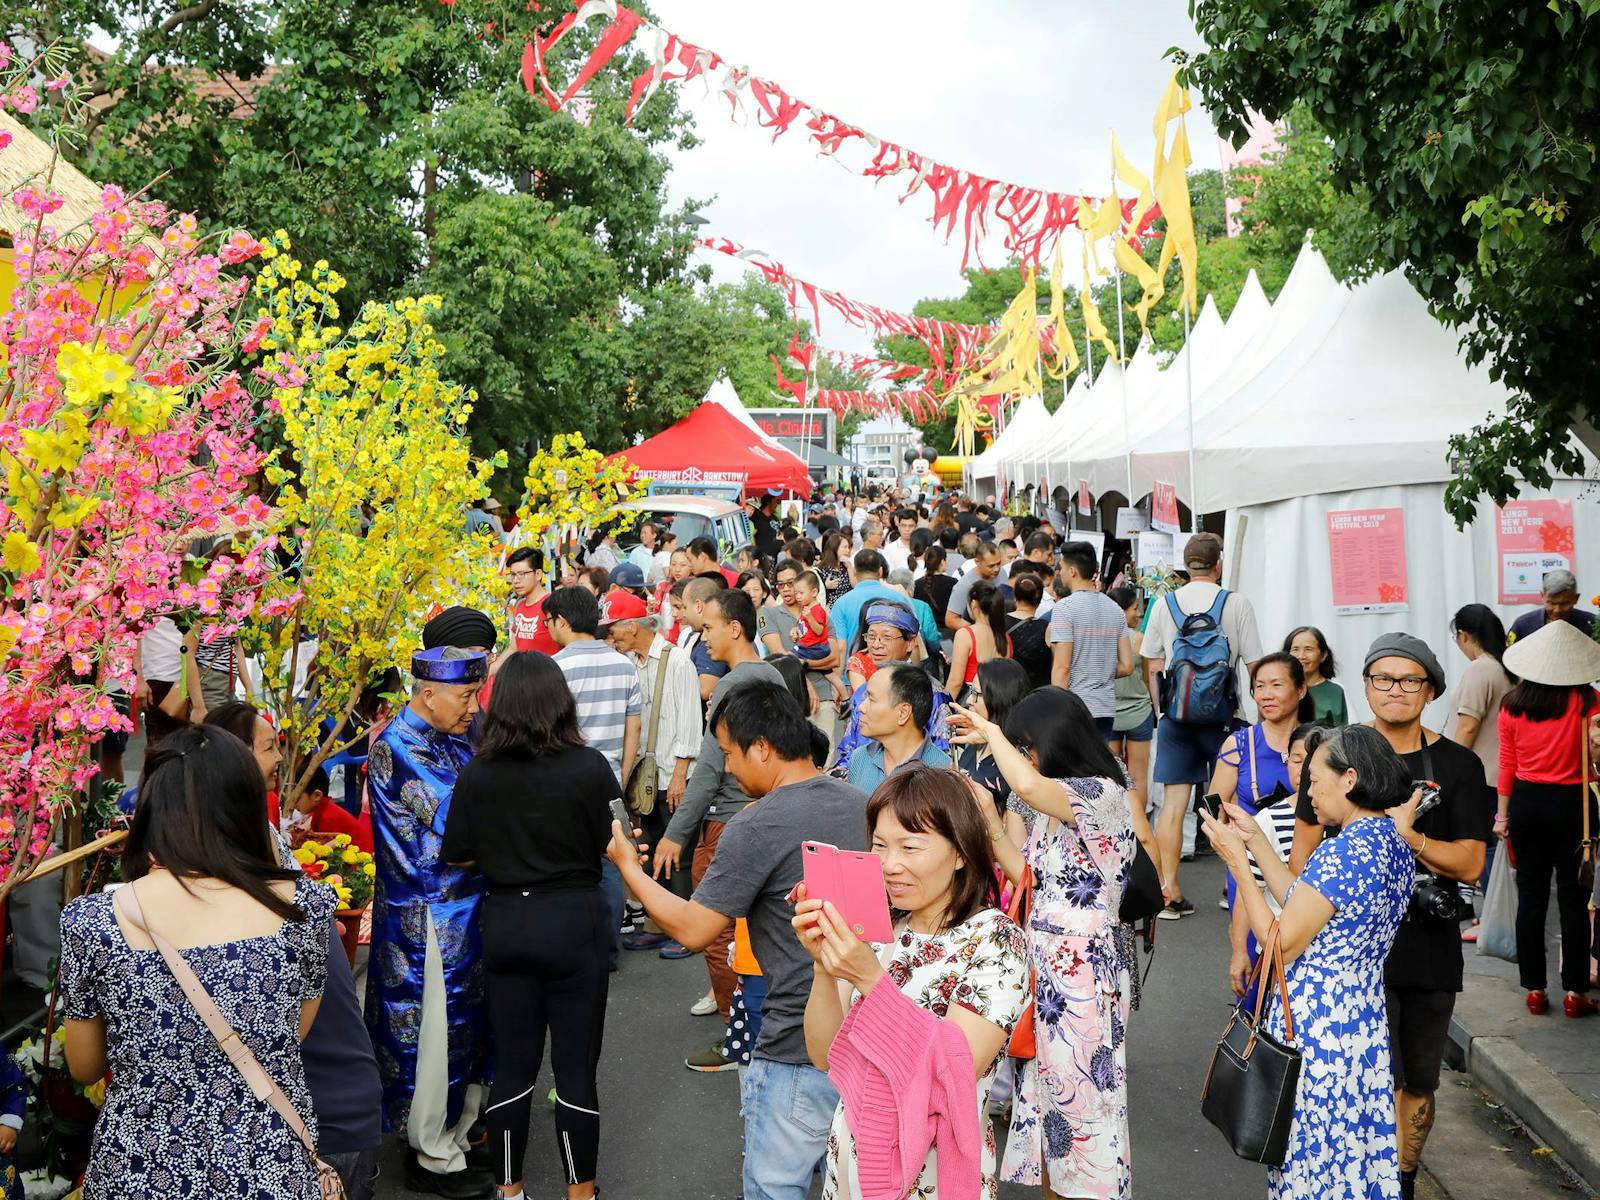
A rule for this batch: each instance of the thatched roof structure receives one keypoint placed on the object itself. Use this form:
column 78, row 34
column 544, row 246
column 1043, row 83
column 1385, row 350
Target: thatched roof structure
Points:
column 29, row 160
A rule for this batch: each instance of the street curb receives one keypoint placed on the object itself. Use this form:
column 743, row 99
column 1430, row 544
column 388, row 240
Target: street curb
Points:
column 1556, row 1114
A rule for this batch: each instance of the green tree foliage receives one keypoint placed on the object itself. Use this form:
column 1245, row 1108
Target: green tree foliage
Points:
column 1469, row 129
column 395, row 139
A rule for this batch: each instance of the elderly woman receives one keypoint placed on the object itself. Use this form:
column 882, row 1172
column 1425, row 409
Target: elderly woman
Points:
column 1338, row 923
column 889, row 634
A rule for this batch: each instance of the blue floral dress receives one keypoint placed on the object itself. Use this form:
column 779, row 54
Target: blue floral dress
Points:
column 1070, row 1112
column 178, row 1118
column 1342, row 1143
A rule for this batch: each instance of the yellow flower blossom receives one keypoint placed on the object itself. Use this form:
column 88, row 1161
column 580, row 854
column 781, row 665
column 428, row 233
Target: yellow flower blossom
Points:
column 20, row 556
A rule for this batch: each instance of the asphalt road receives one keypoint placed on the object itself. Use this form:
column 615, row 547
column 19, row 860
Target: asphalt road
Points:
column 670, row 1134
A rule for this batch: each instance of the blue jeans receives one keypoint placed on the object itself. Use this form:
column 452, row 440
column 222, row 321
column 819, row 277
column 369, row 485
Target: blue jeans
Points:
column 611, row 892
column 787, row 1110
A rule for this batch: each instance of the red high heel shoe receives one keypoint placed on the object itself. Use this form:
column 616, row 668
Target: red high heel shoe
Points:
column 1538, row 1003
column 1579, row 1006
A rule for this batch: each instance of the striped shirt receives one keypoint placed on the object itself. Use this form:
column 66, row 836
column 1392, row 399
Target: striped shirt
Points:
column 1277, row 823
column 606, row 688
column 1093, row 624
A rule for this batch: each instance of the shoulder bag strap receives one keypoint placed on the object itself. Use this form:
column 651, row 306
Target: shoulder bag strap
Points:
column 1255, row 786
column 1586, row 847
column 1271, row 963
column 261, row 1085
column 655, row 704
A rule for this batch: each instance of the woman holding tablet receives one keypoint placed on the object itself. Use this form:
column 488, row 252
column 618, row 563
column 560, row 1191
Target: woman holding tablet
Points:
column 952, row 981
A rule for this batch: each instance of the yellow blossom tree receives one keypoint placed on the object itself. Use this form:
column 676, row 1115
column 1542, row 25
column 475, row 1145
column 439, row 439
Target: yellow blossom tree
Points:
column 371, row 502
column 571, row 485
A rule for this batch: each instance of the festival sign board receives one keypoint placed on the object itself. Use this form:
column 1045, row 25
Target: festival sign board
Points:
column 1156, row 548
column 1532, row 537
column 1164, row 507
column 1131, row 521
column 814, row 425
column 1367, row 560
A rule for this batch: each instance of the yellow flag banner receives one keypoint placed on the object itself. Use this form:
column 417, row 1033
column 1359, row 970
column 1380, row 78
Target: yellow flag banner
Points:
column 971, row 419
column 1171, row 180
column 1095, row 328
column 1098, row 223
column 1066, row 349
column 1009, row 363
column 1129, row 260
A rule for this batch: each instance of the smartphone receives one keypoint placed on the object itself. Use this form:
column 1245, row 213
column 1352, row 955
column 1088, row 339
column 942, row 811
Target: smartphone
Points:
column 853, row 881
column 619, row 812
column 1213, row 803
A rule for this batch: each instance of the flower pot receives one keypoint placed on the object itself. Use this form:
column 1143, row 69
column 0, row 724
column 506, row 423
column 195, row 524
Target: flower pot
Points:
column 350, row 930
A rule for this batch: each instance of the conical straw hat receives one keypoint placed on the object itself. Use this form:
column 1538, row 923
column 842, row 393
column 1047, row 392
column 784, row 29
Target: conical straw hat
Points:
column 1560, row 655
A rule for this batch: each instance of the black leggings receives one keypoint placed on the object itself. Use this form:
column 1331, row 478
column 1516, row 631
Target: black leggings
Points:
column 545, row 961
column 1546, row 829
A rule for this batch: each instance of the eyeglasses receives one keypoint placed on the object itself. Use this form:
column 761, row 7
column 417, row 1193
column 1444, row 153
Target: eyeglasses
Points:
column 881, row 638
column 521, row 574
column 1409, row 684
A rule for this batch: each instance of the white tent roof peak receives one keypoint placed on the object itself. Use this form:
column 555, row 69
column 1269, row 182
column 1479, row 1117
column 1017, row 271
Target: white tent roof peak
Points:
column 721, row 392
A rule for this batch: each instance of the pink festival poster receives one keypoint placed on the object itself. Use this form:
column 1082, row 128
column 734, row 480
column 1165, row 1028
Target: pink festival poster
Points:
column 1367, row 560
column 1085, row 500
column 1532, row 537
column 1164, row 506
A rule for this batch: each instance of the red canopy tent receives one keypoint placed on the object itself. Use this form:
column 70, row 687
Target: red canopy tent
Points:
column 710, row 445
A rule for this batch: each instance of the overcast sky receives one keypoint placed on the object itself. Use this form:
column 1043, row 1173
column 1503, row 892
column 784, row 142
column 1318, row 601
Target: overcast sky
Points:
column 1019, row 90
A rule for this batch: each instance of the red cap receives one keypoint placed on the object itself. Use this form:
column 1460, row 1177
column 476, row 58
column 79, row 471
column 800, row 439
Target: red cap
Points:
column 621, row 606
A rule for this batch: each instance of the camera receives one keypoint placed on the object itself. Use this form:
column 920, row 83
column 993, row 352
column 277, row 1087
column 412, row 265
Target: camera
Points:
column 1436, row 899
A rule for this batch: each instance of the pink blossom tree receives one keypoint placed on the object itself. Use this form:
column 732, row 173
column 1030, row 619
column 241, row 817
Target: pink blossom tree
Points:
column 127, row 439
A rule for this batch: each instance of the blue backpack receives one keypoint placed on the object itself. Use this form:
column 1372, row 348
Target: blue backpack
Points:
column 1201, row 688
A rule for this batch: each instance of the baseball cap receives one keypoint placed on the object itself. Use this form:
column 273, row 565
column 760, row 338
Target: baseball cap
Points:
column 1202, row 552
column 627, row 575
column 621, row 606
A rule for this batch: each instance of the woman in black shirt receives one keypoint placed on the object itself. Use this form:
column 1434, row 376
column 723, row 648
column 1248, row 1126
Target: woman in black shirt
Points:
column 531, row 813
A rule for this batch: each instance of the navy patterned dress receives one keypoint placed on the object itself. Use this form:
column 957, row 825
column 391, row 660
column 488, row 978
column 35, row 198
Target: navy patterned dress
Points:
column 178, row 1119
column 1342, row 1143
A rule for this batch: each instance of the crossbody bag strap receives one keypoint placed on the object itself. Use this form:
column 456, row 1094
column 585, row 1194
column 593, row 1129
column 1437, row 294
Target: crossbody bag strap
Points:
column 261, row 1085
column 655, row 704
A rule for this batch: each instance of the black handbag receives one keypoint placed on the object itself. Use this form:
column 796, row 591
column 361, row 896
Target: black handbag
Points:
column 1250, row 1087
column 1141, row 898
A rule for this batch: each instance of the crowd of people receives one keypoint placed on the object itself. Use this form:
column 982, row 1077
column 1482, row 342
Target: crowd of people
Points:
column 638, row 756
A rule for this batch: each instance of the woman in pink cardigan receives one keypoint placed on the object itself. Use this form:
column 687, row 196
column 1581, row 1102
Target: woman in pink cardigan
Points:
column 911, row 1032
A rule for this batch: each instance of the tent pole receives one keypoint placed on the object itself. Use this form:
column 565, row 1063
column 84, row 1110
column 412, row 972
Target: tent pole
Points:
column 805, row 423
column 1122, row 349
column 1188, row 387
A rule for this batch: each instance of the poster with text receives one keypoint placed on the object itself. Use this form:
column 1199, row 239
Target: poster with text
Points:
column 1085, row 501
column 1367, row 557
column 1155, row 551
column 1532, row 537
column 1164, row 507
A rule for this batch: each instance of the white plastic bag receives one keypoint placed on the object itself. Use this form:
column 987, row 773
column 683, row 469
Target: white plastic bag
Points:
column 1497, row 929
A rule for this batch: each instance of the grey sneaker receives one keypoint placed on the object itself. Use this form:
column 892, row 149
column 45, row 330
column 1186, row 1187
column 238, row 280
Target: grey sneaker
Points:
column 710, row 1061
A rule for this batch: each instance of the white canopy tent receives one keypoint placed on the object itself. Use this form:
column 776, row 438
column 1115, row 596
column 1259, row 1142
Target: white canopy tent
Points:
column 1215, row 345
column 1309, row 303
column 1029, row 416
column 1071, row 416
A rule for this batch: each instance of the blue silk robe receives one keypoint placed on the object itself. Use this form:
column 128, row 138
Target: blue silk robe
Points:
column 411, row 773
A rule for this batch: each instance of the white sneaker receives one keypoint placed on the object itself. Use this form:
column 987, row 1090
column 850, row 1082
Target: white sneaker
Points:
column 704, row 1006
column 1222, row 903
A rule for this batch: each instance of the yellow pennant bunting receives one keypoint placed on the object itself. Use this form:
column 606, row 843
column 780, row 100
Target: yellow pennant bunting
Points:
column 1097, row 223
column 1134, row 178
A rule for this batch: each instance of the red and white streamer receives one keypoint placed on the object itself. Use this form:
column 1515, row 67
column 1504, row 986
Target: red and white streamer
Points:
column 1032, row 219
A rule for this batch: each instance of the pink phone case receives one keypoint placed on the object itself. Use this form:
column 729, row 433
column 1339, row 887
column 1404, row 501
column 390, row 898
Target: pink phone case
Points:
column 853, row 881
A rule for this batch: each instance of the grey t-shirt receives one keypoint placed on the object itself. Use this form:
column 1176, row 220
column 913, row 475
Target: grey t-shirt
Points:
column 756, row 866
column 712, row 792
column 772, row 619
